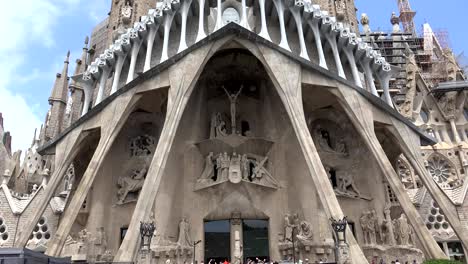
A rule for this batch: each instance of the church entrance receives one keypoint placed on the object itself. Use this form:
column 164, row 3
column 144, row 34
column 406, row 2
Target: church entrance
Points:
column 217, row 241
column 255, row 240
column 236, row 241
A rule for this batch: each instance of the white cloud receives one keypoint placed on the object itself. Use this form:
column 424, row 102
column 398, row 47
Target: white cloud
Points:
column 27, row 24
column 19, row 119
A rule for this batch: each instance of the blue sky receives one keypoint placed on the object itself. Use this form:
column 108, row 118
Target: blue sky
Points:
column 38, row 34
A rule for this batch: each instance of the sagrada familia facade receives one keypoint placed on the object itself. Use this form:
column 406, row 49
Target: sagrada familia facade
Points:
column 240, row 129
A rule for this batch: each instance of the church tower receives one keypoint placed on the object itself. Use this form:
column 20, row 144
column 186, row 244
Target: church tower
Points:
column 124, row 13
column 58, row 103
column 343, row 10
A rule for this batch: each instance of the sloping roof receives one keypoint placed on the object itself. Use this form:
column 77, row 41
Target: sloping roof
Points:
column 242, row 33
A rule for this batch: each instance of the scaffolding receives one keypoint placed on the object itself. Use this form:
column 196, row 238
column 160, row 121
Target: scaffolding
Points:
column 407, row 16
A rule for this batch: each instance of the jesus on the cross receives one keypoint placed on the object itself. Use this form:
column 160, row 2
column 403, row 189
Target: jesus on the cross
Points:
column 233, row 100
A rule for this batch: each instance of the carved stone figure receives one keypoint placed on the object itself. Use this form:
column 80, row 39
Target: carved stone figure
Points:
column 126, row 12
column 142, row 146
column 346, row 183
column 245, row 167
column 208, row 171
column 305, row 232
column 235, row 172
column 233, row 100
column 368, row 228
column 185, row 239
column 224, row 163
column 130, row 184
column 100, row 242
column 341, row 147
column 290, row 223
column 404, row 230
column 387, row 233
column 323, row 138
column 84, row 237
column 218, row 126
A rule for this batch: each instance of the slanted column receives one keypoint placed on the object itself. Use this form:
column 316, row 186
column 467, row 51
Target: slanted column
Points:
column 136, row 40
column 437, row 135
column 201, row 20
column 463, row 134
column 360, row 114
column 349, row 47
column 102, row 84
column 279, row 4
column 384, row 75
column 314, row 25
column 296, row 11
column 454, row 130
column 87, row 83
column 219, row 15
column 244, row 20
column 331, row 30
column 413, row 155
column 62, row 162
column 183, row 31
column 153, row 20
column 118, row 71
column 168, row 18
column 366, row 65
column 109, row 134
column 105, row 62
column 264, row 31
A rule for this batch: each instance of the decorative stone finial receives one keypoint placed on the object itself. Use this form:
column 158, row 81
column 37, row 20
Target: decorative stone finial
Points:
column 365, row 23
column 395, row 22
column 67, row 58
column 394, row 19
column 86, row 41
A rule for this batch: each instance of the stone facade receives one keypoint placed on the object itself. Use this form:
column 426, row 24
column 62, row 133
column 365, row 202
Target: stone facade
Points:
column 247, row 137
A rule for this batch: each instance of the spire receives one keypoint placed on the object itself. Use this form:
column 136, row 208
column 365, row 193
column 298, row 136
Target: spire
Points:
column 60, row 90
column 81, row 63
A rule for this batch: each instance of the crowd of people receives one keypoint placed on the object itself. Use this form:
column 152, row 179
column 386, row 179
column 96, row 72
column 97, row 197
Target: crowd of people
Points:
column 321, row 261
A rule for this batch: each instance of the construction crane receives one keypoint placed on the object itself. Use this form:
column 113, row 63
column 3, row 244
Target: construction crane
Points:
column 407, row 16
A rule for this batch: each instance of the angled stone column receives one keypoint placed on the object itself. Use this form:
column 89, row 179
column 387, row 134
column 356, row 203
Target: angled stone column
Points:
column 168, row 18
column 184, row 11
column 153, row 20
column 201, row 21
column 289, row 88
column 120, row 48
column 384, row 75
column 349, row 44
column 183, row 78
column 360, row 114
column 118, row 71
column 264, row 31
column 366, row 62
column 314, row 23
column 331, row 30
column 105, row 64
column 219, row 15
column 68, row 149
column 279, row 4
column 410, row 147
column 137, row 35
column 87, row 82
column 296, row 11
column 244, row 21
column 115, row 116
